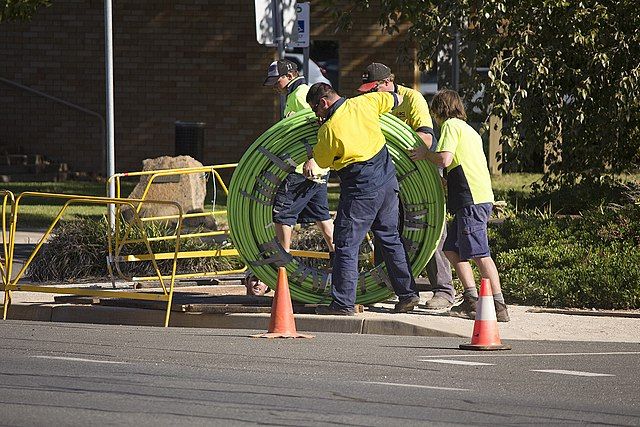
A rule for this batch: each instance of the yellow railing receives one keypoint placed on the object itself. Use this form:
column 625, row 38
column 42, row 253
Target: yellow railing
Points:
column 7, row 242
column 119, row 235
column 154, row 176
column 217, row 178
column 11, row 284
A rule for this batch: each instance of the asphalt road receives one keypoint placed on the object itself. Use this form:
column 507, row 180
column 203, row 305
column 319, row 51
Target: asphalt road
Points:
column 76, row 374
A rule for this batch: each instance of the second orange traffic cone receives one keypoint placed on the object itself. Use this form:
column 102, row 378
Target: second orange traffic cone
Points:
column 282, row 323
column 485, row 329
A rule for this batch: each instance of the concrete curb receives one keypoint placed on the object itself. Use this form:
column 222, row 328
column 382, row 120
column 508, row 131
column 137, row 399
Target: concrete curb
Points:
column 524, row 325
column 72, row 313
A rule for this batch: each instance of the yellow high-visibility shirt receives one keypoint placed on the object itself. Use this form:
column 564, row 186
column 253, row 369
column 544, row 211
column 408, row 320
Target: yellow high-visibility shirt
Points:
column 297, row 97
column 414, row 109
column 297, row 101
column 352, row 133
column 468, row 179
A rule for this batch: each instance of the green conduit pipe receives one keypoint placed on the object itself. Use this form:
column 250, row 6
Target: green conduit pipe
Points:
column 262, row 169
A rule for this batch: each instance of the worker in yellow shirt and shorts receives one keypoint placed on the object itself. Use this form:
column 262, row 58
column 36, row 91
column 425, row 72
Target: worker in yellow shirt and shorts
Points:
column 414, row 111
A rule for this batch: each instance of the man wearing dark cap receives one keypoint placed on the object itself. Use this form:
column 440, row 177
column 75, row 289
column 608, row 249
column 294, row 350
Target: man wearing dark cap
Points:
column 414, row 111
column 351, row 142
column 302, row 197
column 285, row 79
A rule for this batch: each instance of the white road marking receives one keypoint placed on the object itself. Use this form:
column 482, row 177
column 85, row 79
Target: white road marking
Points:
column 78, row 359
column 458, row 362
column 612, row 353
column 415, row 386
column 577, row 373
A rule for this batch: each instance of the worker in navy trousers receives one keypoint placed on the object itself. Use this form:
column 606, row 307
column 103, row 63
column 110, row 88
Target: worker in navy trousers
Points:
column 351, row 142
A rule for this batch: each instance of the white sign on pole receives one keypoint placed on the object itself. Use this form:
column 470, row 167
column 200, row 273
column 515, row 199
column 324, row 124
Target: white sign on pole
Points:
column 264, row 21
column 300, row 32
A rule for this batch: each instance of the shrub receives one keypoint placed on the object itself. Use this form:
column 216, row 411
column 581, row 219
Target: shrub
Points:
column 576, row 198
column 78, row 251
column 590, row 261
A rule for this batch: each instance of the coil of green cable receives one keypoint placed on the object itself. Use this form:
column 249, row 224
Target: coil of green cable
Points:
column 268, row 161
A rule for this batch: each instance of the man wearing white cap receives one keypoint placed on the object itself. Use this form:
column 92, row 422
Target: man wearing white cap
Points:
column 283, row 75
column 299, row 199
column 293, row 196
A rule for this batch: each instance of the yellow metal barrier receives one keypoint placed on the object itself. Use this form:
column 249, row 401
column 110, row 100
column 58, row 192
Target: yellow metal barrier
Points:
column 7, row 243
column 153, row 176
column 215, row 173
column 117, row 241
column 11, row 284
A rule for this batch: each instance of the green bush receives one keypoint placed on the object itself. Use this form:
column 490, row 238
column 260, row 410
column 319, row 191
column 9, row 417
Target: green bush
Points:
column 589, row 261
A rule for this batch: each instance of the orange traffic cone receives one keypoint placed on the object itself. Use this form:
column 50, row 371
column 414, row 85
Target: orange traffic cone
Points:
column 282, row 324
column 485, row 329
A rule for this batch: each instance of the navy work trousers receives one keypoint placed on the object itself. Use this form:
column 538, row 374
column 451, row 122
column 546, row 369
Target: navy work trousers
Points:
column 357, row 215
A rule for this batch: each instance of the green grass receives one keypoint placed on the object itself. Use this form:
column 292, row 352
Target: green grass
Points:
column 38, row 213
column 66, row 187
column 517, row 182
column 520, row 183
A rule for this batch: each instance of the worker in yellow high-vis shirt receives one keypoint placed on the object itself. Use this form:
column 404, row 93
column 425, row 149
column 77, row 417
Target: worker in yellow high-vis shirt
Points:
column 414, row 111
column 299, row 199
column 351, row 142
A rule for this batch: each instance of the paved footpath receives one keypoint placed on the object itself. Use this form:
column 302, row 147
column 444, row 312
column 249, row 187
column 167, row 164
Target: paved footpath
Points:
column 525, row 324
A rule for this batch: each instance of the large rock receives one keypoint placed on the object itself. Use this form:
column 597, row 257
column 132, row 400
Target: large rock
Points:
column 188, row 189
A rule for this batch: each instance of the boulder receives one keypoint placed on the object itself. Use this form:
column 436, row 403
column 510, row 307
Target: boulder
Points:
column 188, row 189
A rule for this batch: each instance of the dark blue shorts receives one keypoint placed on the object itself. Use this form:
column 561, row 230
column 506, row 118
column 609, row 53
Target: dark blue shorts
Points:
column 467, row 233
column 300, row 200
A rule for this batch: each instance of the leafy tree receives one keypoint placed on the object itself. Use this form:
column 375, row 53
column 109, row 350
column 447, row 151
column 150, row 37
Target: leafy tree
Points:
column 564, row 75
column 20, row 10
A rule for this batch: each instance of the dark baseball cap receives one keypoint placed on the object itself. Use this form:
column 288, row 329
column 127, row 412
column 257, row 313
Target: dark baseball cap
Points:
column 277, row 69
column 372, row 75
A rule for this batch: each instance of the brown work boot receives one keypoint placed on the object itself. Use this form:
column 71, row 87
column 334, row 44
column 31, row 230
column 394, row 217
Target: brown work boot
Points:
column 437, row 303
column 407, row 304
column 502, row 315
column 331, row 310
column 466, row 310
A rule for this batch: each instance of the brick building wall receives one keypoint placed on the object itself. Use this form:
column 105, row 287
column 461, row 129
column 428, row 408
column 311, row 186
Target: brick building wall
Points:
column 190, row 60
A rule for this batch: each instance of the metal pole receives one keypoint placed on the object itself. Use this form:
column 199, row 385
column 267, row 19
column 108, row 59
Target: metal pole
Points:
column 108, row 62
column 456, row 61
column 305, row 51
column 278, row 33
column 279, row 29
column 305, row 64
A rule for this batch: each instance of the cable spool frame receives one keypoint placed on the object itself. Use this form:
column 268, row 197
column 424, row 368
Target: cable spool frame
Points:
column 268, row 161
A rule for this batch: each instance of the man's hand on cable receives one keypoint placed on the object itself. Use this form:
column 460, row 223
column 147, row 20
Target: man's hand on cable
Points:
column 419, row 153
column 309, row 169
